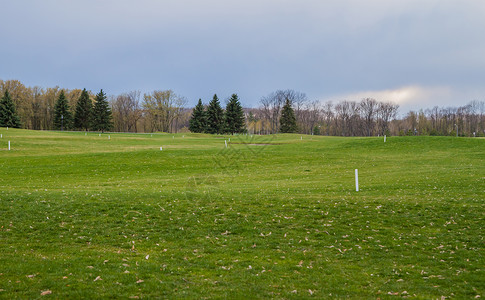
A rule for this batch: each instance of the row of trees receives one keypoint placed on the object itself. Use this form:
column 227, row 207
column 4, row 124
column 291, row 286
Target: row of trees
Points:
column 367, row 117
column 167, row 111
column 215, row 120
column 87, row 116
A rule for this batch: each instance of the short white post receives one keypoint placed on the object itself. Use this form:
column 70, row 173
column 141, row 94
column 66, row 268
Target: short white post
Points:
column 301, row 138
column 109, row 137
column 100, row 134
column 7, row 128
column 225, row 141
column 384, row 139
column 161, row 148
column 229, row 139
column 356, row 180
column 85, row 133
column 1, row 136
column 8, row 145
column 173, row 137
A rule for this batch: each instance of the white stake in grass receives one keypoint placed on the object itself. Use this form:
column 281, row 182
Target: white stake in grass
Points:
column 109, row 137
column 384, row 139
column 356, row 180
column 161, row 149
column 225, row 141
column 8, row 145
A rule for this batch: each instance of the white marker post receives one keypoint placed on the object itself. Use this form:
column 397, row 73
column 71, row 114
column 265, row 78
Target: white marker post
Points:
column 384, row 139
column 109, row 137
column 356, row 180
column 8, row 145
column 301, row 138
column 225, row 141
column 161, row 149
column 1, row 136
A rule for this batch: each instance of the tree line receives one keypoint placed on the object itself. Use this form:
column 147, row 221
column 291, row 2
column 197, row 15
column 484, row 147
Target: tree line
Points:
column 215, row 120
column 164, row 110
column 86, row 115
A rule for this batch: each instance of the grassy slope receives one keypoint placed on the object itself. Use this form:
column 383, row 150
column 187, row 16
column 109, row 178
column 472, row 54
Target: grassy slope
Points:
column 279, row 220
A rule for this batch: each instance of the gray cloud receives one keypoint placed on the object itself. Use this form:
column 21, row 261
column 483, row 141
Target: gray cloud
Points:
column 197, row 48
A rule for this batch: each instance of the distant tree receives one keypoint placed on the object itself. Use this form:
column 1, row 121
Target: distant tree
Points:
column 368, row 109
column 8, row 113
column 288, row 119
column 102, row 118
column 215, row 117
column 127, row 111
column 82, row 116
column 198, row 120
column 163, row 108
column 234, row 116
column 62, row 114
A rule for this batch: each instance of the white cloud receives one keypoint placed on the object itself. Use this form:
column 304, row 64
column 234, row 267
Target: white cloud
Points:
column 416, row 97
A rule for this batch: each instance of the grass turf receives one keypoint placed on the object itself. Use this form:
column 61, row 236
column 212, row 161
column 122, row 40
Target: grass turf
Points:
column 98, row 216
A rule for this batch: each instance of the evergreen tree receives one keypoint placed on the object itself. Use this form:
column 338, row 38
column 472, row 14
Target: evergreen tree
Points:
column 84, row 107
column 198, row 121
column 102, row 116
column 234, row 117
column 215, row 117
column 8, row 113
column 288, row 119
column 62, row 114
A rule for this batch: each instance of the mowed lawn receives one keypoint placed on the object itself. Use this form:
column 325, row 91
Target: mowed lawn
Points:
column 84, row 215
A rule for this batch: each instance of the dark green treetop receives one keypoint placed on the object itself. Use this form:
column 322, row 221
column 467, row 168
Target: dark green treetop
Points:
column 62, row 114
column 82, row 116
column 234, row 116
column 288, row 119
column 198, row 120
column 101, row 116
column 8, row 113
column 215, row 117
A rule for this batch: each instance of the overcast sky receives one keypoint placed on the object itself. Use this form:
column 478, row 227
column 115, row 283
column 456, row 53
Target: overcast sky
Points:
column 417, row 53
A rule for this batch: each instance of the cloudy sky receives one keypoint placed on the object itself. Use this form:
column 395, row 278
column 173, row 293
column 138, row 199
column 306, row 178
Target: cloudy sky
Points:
column 417, row 53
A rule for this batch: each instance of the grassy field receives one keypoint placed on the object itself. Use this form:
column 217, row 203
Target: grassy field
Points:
column 99, row 216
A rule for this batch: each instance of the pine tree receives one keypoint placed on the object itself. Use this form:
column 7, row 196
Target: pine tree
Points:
column 84, row 107
column 198, row 121
column 62, row 114
column 234, row 116
column 215, row 117
column 101, row 116
column 288, row 119
column 8, row 113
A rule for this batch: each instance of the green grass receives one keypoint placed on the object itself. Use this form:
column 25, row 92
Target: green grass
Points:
column 84, row 216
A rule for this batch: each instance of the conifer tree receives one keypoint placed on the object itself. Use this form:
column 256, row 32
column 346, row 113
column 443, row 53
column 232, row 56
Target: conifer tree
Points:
column 62, row 114
column 288, row 119
column 8, row 113
column 215, row 117
column 198, row 120
column 82, row 116
column 101, row 116
column 234, row 116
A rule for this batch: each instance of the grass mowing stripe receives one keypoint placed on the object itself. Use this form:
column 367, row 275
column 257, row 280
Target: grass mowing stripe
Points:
column 84, row 216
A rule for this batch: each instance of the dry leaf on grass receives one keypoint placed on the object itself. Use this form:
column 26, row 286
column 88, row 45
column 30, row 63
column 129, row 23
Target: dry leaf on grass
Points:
column 48, row 292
